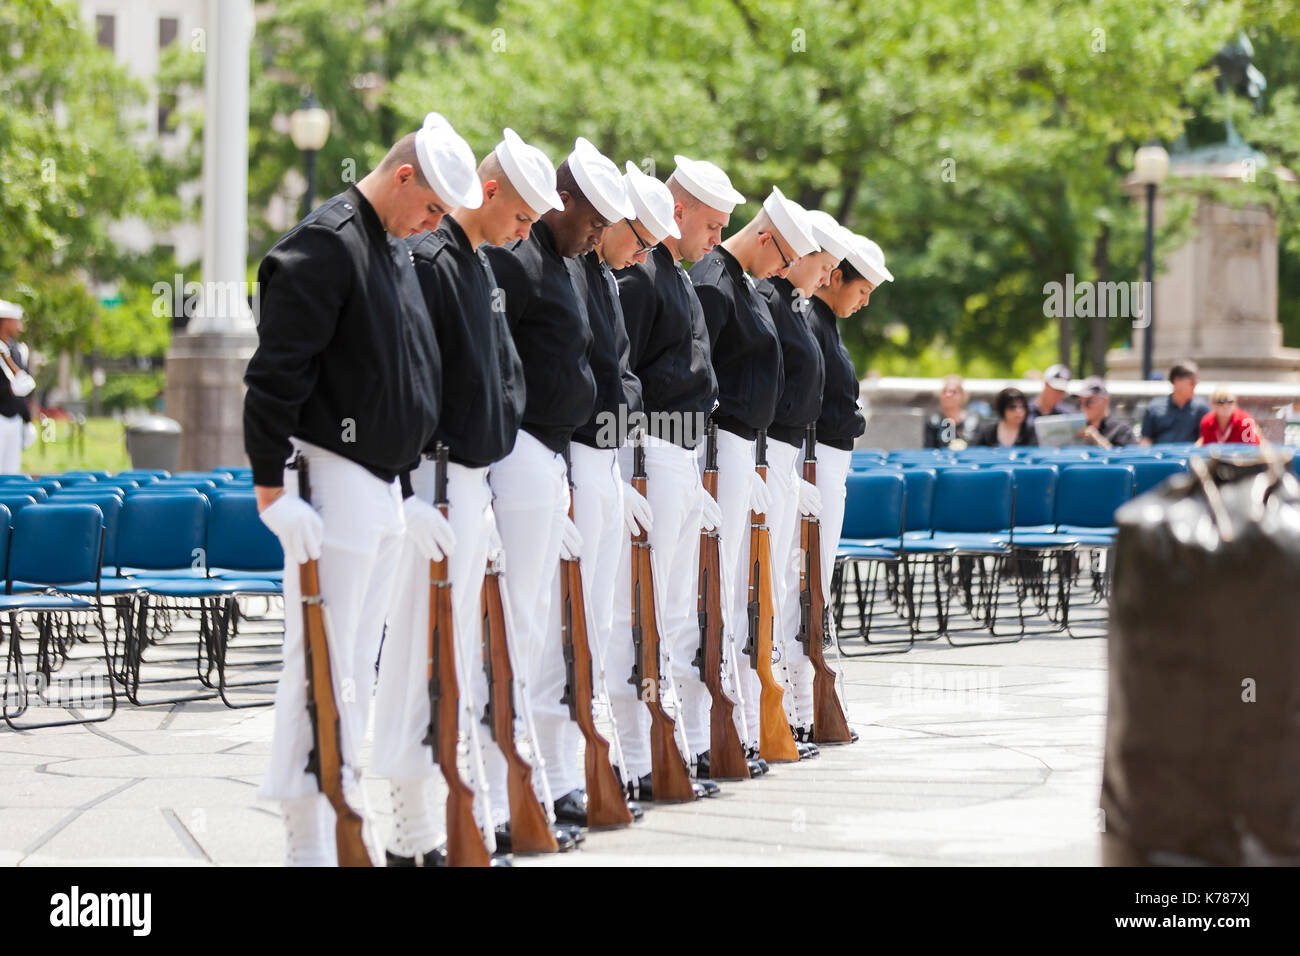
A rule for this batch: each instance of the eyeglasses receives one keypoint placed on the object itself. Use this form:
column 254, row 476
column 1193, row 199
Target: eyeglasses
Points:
column 1225, row 401
column 1012, row 406
column 785, row 263
column 642, row 245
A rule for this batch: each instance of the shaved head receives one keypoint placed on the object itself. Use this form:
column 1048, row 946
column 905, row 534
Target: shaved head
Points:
column 403, row 154
column 681, row 194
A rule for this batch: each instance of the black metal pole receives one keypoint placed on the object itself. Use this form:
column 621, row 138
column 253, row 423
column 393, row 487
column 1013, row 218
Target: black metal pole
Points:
column 1148, row 337
column 309, row 160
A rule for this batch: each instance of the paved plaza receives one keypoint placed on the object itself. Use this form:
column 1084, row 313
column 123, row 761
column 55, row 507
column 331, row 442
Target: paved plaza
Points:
column 972, row 755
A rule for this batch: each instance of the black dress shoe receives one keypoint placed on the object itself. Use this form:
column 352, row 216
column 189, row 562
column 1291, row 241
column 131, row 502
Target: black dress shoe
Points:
column 563, row 840
column 435, row 857
column 702, row 766
column 634, row 808
column 756, row 769
column 572, row 808
column 500, row 860
column 638, row 788
column 572, row 831
column 710, row 788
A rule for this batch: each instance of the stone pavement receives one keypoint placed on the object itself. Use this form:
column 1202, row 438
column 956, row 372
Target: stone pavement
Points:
column 976, row 755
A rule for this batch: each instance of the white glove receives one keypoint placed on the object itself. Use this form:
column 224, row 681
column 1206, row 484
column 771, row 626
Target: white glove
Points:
column 298, row 526
column 430, row 532
column 29, row 434
column 571, row 542
column 23, row 384
column 710, row 513
column 760, row 499
column 810, row 499
column 637, row 515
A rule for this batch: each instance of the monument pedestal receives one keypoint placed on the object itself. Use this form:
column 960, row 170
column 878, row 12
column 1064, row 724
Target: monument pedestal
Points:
column 1216, row 301
column 205, row 393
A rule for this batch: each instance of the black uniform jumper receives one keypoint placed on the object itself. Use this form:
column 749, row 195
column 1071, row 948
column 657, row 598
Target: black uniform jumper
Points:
column 483, row 378
column 745, row 347
column 548, row 321
column 670, row 344
column 346, row 357
column 800, row 401
column 841, row 420
column 617, row 387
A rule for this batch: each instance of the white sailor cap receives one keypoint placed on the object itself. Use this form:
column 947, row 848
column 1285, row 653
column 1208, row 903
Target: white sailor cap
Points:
column 707, row 183
column 652, row 202
column 791, row 221
column 600, row 181
column 529, row 171
column 10, row 310
column 869, row 260
column 830, row 235
column 448, row 162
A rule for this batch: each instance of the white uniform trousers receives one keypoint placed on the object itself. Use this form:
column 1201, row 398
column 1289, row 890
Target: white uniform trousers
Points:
column 735, row 475
column 11, row 445
column 832, row 480
column 672, row 489
column 402, row 695
column 364, row 531
column 598, row 513
column 791, row 665
column 531, row 500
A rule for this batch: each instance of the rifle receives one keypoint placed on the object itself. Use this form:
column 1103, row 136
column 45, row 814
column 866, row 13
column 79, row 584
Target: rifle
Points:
column 530, row 828
column 465, row 844
column 830, row 726
column 726, row 752
column 670, row 781
column 325, row 761
column 775, row 741
column 606, row 804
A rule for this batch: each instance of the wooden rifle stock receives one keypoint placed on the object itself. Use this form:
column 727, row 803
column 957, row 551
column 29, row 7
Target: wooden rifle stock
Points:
column 726, row 751
column 830, row 726
column 670, row 780
column 325, row 761
column 606, row 803
column 530, row 830
column 775, row 741
column 465, row 845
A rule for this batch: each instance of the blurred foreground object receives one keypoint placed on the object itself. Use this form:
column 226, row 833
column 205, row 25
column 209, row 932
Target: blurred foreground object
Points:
column 1203, row 733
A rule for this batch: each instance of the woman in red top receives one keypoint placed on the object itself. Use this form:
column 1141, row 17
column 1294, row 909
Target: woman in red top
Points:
column 1225, row 423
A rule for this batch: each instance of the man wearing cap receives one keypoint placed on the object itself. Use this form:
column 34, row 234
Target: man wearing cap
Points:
column 747, row 360
column 347, row 375
column 17, row 385
column 482, row 403
column 1056, row 380
column 798, row 406
column 841, row 421
column 1100, row 429
column 670, row 357
column 548, row 320
column 601, row 494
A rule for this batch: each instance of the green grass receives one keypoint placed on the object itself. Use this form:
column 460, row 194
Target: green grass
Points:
column 100, row 447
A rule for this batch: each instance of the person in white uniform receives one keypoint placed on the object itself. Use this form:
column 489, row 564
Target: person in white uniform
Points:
column 347, row 375
column 16, row 429
column 748, row 362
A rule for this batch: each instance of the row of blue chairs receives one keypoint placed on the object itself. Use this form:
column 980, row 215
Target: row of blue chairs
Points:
column 959, row 530
column 71, row 561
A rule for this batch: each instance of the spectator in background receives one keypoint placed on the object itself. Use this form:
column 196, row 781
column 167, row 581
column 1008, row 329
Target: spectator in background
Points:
column 1176, row 417
column 1050, row 401
column 15, row 387
column 1101, row 430
column 1227, row 423
column 952, row 426
column 1011, row 427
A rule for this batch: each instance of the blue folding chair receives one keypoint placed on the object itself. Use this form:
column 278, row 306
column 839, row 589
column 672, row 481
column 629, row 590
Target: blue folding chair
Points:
column 1150, row 473
column 169, row 573
column 874, row 506
column 52, row 545
column 242, row 550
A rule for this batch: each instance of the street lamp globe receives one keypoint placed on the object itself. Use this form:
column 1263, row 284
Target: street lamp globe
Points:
column 309, row 126
column 1150, row 164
